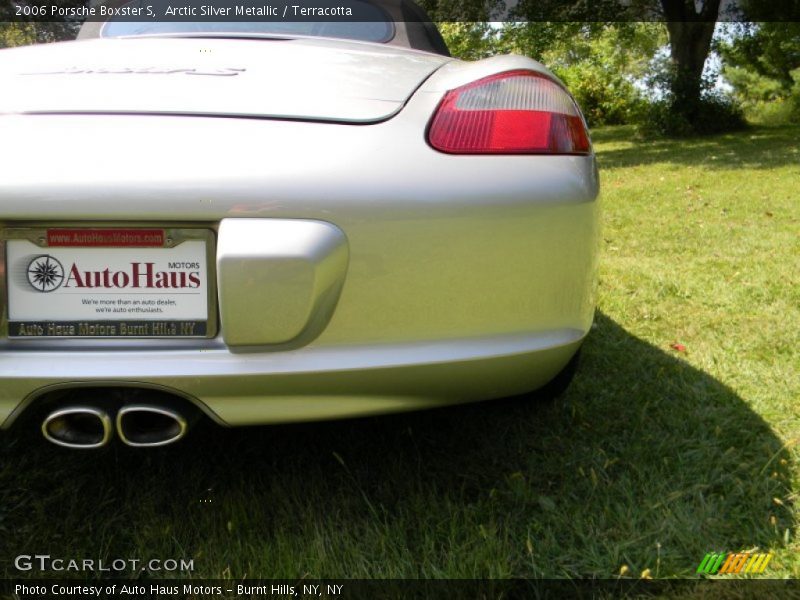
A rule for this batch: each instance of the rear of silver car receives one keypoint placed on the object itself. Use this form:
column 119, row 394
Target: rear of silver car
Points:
column 348, row 267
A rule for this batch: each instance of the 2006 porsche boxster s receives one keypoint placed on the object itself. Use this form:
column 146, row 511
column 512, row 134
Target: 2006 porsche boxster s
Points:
column 266, row 222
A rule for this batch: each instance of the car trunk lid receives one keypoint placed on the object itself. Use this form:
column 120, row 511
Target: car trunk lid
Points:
column 304, row 79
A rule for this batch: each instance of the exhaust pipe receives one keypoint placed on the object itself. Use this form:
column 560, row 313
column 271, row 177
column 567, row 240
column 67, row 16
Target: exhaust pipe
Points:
column 143, row 425
column 78, row 427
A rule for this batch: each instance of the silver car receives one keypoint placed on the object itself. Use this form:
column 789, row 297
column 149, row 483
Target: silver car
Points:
column 266, row 222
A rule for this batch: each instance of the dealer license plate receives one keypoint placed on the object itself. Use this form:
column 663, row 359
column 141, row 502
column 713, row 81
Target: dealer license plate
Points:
column 117, row 283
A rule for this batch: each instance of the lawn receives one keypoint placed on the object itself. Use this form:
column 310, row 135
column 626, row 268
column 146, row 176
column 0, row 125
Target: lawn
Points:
column 678, row 436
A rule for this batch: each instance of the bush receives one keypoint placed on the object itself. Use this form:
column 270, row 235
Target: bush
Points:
column 795, row 97
column 774, row 112
column 765, row 101
column 605, row 97
column 713, row 113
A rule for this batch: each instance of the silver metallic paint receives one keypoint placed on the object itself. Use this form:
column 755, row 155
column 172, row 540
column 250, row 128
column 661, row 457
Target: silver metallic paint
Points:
column 469, row 277
column 310, row 79
column 279, row 279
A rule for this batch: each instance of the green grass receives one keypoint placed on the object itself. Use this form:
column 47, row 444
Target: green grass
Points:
column 651, row 459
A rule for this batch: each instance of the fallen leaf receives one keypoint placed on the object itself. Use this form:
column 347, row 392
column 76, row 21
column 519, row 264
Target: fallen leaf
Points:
column 678, row 347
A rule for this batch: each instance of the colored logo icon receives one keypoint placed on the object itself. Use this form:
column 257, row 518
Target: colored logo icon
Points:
column 733, row 563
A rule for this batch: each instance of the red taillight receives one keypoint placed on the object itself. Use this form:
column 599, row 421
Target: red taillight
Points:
column 517, row 112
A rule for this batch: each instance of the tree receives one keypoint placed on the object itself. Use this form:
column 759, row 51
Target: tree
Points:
column 602, row 64
column 14, row 31
column 690, row 34
column 544, row 24
column 762, row 63
column 470, row 41
column 771, row 49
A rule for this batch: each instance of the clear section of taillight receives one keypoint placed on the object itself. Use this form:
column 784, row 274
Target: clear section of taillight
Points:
column 517, row 112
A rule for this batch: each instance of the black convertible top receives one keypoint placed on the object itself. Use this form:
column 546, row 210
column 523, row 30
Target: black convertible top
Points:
column 420, row 32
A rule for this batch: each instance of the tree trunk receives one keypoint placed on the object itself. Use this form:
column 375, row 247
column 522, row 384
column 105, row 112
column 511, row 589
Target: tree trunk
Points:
column 690, row 36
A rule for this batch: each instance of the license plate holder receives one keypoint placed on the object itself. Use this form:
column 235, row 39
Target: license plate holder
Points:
column 109, row 282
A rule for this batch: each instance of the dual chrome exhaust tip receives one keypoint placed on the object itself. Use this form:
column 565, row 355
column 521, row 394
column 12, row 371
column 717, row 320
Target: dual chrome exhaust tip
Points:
column 78, row 427
column 138, row 425
column 149, row 426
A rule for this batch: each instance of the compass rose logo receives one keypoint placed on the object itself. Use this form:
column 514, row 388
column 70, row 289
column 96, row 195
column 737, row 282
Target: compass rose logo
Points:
column 45, row 273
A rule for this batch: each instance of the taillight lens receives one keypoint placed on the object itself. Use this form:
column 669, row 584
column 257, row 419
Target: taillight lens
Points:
column 517, row 112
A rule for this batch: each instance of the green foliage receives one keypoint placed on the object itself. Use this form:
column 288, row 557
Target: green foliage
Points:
column 795, row 97
column 535, row 38
column 668, row 115
column 605, row 96
column 770, row 50
column 750, row 87
column 605, row 66
column 713, row 113
column 764, row 100
column 600, row 64
column 762, row 64
column 470, row 41
column 17, row 34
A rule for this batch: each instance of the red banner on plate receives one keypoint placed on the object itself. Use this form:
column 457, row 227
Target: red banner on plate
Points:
column 105, row 238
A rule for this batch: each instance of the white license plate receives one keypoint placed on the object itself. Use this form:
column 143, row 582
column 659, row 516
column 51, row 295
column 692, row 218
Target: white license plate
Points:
column 120, row 283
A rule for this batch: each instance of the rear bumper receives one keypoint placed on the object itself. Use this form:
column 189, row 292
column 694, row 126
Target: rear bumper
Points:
column 439, row 315
column 305, row 384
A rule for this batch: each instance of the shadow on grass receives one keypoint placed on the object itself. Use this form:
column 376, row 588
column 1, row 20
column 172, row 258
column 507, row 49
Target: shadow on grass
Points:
column 645, row 462
column 754, row 148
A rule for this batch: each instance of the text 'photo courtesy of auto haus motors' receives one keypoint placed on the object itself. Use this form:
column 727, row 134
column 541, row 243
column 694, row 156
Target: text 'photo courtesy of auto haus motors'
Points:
column 263, row 222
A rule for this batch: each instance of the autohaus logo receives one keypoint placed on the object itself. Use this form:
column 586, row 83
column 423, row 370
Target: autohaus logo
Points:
column 45, row 273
